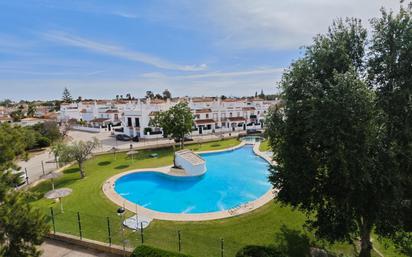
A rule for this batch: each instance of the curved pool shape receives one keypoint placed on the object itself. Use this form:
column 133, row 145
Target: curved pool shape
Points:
column 232, row 178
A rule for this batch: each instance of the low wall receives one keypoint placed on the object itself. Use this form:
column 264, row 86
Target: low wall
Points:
column 155, row 136
column 87, row 129
column 90, row 244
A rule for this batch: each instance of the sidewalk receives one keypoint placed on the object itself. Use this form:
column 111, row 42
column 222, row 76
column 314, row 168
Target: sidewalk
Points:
column 53, row 248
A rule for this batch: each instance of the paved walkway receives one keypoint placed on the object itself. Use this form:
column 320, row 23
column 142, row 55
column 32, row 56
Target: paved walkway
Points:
column 53, row 248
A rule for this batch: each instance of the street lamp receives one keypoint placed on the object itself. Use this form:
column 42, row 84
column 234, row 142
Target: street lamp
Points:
column 121, row 212
column 114, row 150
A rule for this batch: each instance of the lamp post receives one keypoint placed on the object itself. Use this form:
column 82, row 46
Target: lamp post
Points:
column 114, row 150
column 121, row 211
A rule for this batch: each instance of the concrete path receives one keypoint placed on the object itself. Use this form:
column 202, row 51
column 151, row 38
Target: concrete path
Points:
column 53, row 248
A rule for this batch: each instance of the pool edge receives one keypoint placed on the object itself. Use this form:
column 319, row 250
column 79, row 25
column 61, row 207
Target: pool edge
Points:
column 112, row 195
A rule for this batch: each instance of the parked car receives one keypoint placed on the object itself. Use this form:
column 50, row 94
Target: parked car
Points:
column 123, row 137
column 135, row 139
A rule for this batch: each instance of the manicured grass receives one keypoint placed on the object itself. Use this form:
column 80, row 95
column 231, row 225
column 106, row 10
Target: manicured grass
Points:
column 270, row 224
column 264, row 146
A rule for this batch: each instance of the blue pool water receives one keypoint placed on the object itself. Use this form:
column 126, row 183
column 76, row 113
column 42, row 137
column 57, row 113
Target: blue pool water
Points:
column 232, row 178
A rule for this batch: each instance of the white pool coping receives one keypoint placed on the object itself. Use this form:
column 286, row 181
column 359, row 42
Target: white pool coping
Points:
column 109, row 191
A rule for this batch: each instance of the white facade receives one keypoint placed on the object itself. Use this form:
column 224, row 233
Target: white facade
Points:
column 211, row 115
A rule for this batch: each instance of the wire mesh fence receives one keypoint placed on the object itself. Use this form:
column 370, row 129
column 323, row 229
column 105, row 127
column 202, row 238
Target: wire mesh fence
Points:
column 110, row 230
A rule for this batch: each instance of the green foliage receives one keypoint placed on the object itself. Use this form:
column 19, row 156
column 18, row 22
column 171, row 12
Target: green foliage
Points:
column 167, row 94
column 31, row 110
column 67, row 97
column 331, row 142
column 13, row 142
column 147, row 130
column 78, row 151
column 22, row 227
column 390, row 71
column 147, row 251
column 5, row 102
column 177, row 122
column 48, row 129
column 258, row 251
column 17, row 115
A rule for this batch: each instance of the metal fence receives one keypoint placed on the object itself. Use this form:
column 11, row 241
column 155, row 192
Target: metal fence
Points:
column 110, row 230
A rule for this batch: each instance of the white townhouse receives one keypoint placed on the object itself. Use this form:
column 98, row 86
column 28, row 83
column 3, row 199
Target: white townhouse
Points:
column 232, row 114
column 97, row 113
column 211, row 114
column 136, row 117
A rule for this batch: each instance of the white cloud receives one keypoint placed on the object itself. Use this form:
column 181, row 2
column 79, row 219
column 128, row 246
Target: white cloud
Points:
column 118, row 51
column 267, row 24
column 208, row 75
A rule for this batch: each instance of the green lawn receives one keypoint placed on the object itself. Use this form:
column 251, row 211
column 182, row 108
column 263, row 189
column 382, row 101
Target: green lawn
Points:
column 264, row 146
column 270, row 224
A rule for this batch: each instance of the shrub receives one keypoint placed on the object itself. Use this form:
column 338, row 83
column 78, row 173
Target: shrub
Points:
column 42, row 142
column 258, row 251
column 147, row 130
column 146, row 251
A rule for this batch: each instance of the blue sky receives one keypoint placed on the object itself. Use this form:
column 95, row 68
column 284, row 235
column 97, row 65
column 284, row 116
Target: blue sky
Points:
column 206, row 47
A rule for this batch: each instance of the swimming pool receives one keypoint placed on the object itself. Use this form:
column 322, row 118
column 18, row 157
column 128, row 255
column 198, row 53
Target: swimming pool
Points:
column 232, row 178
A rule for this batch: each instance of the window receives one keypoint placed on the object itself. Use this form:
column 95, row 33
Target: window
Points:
column 129, row 122
column 136, row 122
column 207, row 116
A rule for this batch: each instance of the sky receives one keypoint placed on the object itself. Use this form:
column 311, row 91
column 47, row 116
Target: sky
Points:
column 102, row 48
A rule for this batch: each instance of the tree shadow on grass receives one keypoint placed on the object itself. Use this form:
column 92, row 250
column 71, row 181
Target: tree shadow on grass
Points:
column 71, row 170
column 215, row 145
column 122, row 166
column 104, row 163
column 292, row 243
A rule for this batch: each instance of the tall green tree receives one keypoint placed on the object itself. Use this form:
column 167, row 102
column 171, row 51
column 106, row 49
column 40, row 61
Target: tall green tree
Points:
column 177, row 122
column 167, row 94
column 390, row 72
column 328, row 141
column 31, row 110
column 67, row 97
column 78, row 151
column 22, row 227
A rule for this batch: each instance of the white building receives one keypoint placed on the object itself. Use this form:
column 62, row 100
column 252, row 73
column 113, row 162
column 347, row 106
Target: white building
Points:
column 211, row 114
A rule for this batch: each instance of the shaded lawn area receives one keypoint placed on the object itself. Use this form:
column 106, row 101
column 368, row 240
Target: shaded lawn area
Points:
column 270, row 224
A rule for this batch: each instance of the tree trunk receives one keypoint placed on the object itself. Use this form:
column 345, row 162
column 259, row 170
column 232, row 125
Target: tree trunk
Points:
column 82, row 175
column 366, row 244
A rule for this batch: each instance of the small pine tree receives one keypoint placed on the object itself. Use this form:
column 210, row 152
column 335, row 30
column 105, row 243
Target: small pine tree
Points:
column 262, row 95
column 67, row 97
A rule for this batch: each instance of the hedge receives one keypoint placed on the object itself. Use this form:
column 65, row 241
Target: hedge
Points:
column 258, row 251
column 146, row 251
